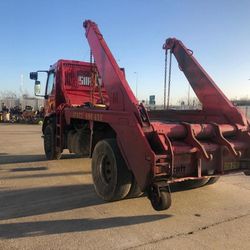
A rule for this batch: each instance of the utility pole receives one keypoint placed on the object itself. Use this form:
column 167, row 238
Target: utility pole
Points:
column 188, row 95
column 21, row 92
column 136, row 84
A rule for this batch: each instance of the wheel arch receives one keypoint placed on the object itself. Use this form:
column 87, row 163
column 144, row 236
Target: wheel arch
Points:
column 100, row 131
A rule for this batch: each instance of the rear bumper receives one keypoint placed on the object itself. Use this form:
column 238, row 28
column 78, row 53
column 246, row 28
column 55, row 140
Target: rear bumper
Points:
column 228, row 172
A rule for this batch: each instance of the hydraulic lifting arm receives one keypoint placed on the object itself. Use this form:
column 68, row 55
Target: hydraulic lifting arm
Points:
column 129, row 131
column 120, row 95
column 211, row 97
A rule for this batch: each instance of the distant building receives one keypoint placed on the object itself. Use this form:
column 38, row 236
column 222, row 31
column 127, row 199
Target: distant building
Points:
column 34, row 102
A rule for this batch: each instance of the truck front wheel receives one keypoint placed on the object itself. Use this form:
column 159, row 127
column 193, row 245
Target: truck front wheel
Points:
column 50, row 144
column 111, row 177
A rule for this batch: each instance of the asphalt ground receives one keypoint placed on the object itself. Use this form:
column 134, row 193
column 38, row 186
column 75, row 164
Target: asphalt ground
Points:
column 53, row 205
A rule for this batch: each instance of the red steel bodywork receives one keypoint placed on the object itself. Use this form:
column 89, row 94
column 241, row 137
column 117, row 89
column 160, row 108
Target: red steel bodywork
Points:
column 167, row 145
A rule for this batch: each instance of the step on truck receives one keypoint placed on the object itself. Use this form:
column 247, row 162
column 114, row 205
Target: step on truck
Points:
column 90, row 110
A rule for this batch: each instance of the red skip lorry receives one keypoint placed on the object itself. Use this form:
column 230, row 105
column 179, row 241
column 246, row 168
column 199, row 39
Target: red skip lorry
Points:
column 91, row 110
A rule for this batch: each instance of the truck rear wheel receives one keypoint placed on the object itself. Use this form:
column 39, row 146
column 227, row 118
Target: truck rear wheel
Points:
column 111, row 177
column 135, row 190
column 50, row 144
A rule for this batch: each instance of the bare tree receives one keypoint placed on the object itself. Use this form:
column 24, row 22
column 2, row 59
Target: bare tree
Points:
column 8, row 94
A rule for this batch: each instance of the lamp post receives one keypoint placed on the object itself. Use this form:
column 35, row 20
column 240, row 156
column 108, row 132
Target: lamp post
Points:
column 136, row 84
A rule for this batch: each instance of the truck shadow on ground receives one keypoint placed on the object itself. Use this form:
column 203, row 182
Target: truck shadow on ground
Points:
column 37, row 201
column 40, row 175
column 43, row 200
column 39, row 228
column 9, row 158
column 1, row 154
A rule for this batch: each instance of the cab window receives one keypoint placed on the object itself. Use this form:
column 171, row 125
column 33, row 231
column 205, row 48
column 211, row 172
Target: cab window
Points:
column 50, row 83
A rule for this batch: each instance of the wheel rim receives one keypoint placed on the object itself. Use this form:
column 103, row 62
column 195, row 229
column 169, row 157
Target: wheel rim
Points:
column 106, row 169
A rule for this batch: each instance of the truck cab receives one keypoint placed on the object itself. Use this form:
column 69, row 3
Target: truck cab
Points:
column 70, row 83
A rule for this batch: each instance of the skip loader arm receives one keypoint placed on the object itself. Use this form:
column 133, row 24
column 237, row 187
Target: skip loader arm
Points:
column 129, row 132
column 120, row 95
column 217, row 112
column 211, row 97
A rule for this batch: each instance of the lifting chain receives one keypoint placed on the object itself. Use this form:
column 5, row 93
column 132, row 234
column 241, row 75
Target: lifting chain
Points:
column 96, row 82
column 165, row 77
column 169, row 77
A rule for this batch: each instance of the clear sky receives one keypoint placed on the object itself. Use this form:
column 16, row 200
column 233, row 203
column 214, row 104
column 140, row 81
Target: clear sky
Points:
column 35, row 34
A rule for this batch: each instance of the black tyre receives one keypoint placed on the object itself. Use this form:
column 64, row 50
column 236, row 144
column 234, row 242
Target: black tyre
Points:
column 190, row 184
column 111, row 177
column 135, row 190
column 49, row 143
column 212, row 180
column 160, row 201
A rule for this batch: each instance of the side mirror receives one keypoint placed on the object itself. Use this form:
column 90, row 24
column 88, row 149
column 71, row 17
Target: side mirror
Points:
column 33, row 75
column 37, row 89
